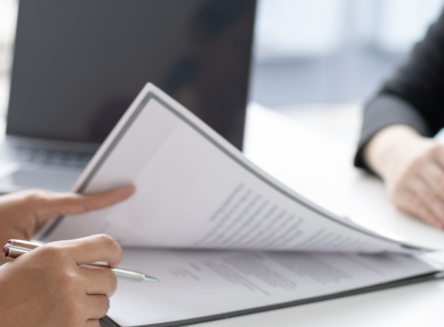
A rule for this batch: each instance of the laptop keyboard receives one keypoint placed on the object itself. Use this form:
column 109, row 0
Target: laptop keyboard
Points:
column 50, row 157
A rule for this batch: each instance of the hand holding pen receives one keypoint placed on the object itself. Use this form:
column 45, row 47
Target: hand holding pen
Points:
column 53, row 287
column 49, row 286
column 15, row 248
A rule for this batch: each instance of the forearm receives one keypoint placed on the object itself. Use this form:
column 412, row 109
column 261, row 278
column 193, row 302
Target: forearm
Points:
column 388, row 147
column 411, row 97
column 399, row 122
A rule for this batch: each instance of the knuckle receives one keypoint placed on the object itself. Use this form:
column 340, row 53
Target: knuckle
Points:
column 113, row 284
column 53, row 252
column 65, row 280
column 103, row 306
column 111, row 280
column 67, row 284
column 108, row 281
column 417, row 164
column 37, row 195
column 109, row 243
column 106, row 305
column 79, row 201
column 73, row 310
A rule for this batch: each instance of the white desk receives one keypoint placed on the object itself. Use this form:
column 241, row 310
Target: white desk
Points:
column 320, row 168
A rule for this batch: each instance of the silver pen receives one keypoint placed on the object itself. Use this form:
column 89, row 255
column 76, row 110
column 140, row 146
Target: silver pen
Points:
column 15, row 248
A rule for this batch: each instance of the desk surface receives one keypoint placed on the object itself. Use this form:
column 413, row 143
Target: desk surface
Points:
column 320, row 168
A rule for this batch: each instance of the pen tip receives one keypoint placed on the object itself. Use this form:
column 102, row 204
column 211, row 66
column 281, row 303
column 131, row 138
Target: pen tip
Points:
column 150, row 279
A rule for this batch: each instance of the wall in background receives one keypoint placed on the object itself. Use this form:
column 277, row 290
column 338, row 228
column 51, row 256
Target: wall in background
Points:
column 311, row 28
column 310, row 51
column 333, row 51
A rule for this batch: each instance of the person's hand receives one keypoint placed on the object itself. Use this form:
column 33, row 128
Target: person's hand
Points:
column 412, row 168
column 24, row 213
column 47, row 287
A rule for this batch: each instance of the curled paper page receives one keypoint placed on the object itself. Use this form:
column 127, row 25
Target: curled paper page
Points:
column 195, row 190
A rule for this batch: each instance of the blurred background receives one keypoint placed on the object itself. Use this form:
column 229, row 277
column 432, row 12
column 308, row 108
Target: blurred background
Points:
column 315, row 60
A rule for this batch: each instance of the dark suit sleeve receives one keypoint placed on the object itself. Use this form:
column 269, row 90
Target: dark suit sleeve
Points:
column 413, row 96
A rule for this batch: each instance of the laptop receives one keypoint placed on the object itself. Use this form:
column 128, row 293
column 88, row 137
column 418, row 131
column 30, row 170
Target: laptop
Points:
column 78, row 65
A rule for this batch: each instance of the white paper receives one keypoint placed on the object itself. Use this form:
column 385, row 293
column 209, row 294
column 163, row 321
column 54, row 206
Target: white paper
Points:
column 195, row 190
column 197, row 284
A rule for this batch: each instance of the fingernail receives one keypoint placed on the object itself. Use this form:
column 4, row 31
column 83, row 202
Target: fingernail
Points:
column 6, row 250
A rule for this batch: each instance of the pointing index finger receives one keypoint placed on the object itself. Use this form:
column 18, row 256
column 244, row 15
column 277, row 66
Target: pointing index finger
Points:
column 54, row 204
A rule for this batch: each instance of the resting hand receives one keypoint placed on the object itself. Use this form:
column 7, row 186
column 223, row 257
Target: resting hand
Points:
column 412, row 167
column 47, row 287
column 24, row 213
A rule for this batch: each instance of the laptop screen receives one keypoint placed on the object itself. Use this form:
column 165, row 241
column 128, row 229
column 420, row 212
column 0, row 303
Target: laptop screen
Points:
column 78, row 64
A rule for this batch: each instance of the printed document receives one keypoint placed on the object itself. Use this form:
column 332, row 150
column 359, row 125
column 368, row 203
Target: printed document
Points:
column 217, row 229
